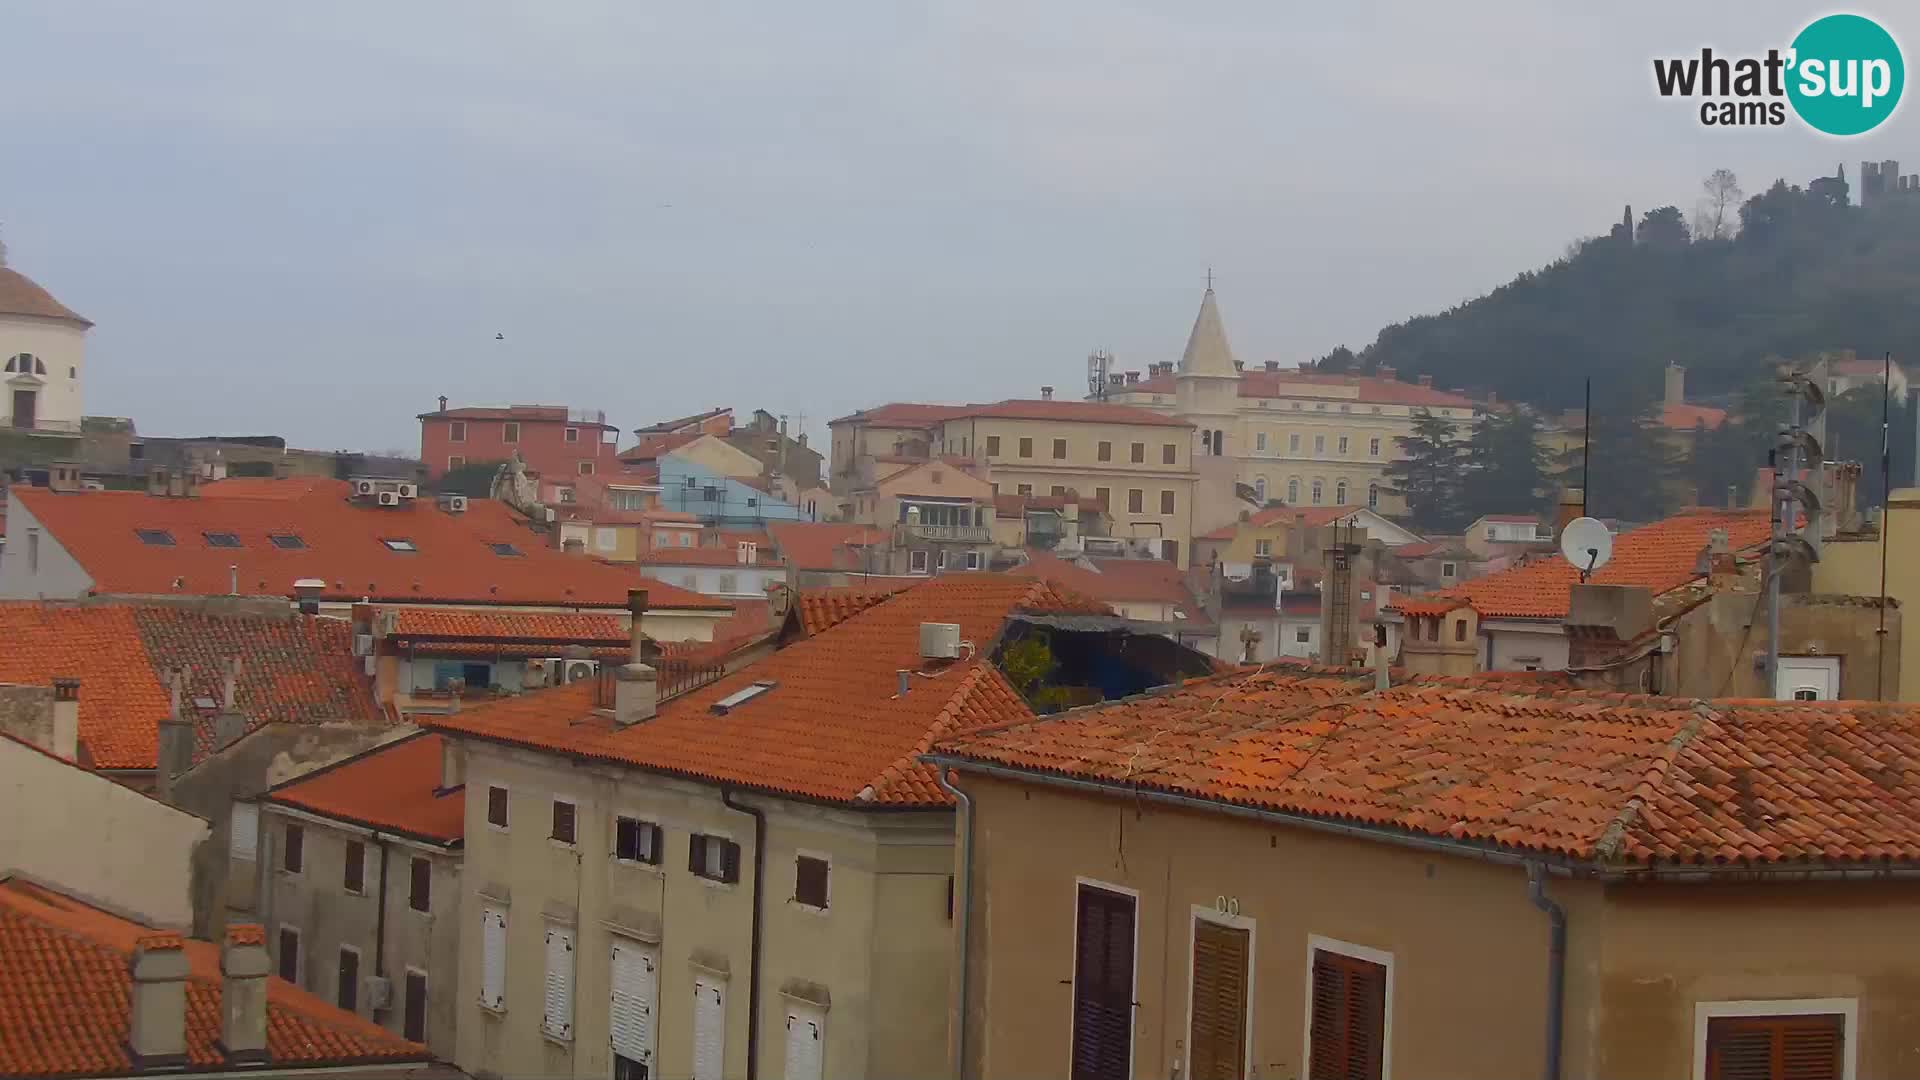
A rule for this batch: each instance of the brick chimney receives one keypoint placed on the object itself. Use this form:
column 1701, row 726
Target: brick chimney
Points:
column 1572, row 505
column 1388, row 372
column 157, row 1007
column 636, row 686
column 1273, row 365
column 231, row 723
column 176, row 743
column 243, row 994
column 66, row 719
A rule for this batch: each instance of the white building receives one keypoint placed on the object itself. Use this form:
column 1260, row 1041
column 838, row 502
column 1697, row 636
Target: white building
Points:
column 42, row 352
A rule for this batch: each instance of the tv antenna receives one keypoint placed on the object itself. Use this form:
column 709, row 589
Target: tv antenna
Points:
column 1587, row 544
column 1099, row 365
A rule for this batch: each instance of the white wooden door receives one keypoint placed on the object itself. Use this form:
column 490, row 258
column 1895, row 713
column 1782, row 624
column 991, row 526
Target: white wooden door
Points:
column 709, row 1027
column 806, row 1042
column 1807, row 678
column 636, row 981
column 558, row 1015
column 493, row 957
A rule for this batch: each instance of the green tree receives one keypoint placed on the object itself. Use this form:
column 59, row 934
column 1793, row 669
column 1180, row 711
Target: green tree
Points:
column 1427, row 474
column 1340, row 361
column 1507, row 468
column 1633, row 471
column 1663, row 229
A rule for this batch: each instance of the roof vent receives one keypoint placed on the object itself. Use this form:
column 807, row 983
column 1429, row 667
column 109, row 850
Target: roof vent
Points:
column 939, row 640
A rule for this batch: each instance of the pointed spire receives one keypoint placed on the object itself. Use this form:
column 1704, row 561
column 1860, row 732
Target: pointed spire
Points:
column 1207, row 350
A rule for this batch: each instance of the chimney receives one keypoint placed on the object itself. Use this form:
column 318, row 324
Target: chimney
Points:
column 453, row 765
column 231, row 723
column 157, row 481
column 1382, row 673
column 157, row 1010
column 306, row 595
column 1676, row 385
column 243, row 994
column 1388, row 372
column 1133, row 377
column 1572, row 505
column 443, row 403
column 176, row 744
column 66, row 719
column 1046, row 393
column 1604, row 621
column 574, row 546
column 636, row 686
column 1426, row 380
column 1272, row 365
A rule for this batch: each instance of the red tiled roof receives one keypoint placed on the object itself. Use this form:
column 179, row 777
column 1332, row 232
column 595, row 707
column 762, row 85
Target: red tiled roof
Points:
column 824, row 545
column 1260, row 383
column 651, row 447
column 1687, row 417
column 1311, row 517
column 1420, row 550
column 1079, row 412
column 1511, row 519
column 21, row 295
column 1112, row 581
column 1600, row 778
column 293, row 670
column 288, row 489
column 704, row 556
column 558, row 414
column 668, row 426
column 903, row 414
column 65, row 992
column 395, row 788
column 584, row 627
column 822, row 608
column 1657, row 557
column 832, row 728
column 454, row 561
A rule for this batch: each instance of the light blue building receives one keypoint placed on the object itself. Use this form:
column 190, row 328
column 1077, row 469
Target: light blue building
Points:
column 719, row 500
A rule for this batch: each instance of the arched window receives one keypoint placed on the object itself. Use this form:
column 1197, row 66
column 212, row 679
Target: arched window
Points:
column 26, row 364
column 1206, row 441
column 1373, row 496
column 1340, row 493
column 1319, row 488
column 1260, row 491
column 1460, row 630
column 1293, row 490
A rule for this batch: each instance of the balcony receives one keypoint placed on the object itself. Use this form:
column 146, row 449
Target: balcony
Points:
column 949, row 534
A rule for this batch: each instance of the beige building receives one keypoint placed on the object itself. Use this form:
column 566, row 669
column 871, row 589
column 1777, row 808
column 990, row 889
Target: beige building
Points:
column 360, row 871
column 1850, row 564
column 939, row 517
column 1300, row 437
column 1410, row 899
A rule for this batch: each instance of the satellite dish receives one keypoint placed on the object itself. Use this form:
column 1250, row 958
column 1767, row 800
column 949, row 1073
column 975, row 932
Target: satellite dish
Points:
column 1587, row 544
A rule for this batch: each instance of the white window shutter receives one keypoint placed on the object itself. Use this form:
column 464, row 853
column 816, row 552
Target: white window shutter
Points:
column 493, row 957
column 806, row 1043
column 558, row 1017
column 709, row 1028
column 245, row 843
column 635, row 983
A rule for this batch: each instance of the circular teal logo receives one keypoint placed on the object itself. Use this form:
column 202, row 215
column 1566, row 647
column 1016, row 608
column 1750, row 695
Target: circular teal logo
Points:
column 1846, row 75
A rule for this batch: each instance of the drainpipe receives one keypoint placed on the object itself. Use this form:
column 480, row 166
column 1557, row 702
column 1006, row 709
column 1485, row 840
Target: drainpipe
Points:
column 962, row 914
column 1556, row 963
column 380, row 919
column 759, row 817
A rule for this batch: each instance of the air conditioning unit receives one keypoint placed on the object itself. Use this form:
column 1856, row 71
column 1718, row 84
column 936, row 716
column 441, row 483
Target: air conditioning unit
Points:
column 409, row 490
column 542, row 671
column 389, row 498
column 940, row 640
column 363, row 644
column 457, row 504
column 379, row 990
column 363, row 487
column 576, row 670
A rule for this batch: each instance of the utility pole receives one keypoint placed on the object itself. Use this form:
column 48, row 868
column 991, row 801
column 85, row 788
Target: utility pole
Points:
column 1796, row 449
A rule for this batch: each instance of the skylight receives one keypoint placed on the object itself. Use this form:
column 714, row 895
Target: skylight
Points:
column 740, row 697
column 222, row 539
column 398, row 543
column 287, row 541
column 506, row 549
column 154, row 537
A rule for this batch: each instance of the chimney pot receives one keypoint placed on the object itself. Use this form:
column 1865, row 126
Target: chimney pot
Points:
column 1273, row 365
column 443, row 403
column 157, row 1011
column 906, row 678
column 243, row 994
column 66, row 719
column 1046, row 393
column 1676, row 385
column 1426, row 380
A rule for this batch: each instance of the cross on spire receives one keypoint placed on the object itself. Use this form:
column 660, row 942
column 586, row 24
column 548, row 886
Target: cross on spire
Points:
column 1209, row 279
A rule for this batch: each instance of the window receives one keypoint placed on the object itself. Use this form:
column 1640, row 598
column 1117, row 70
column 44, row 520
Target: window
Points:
column 420, row 884
column 243, row 837
column 973, row 560
column 398, row 543
column 1303, row 635
column 506, row 550
column 293, row 842
column 635, row 975
column 586, row 468
column 1448, row 569
column 29, row 364
column 510, row 431
column 290, row 955
column 1263, row 547
column 993, row 446
column 1059, row 449
column 1166, row 501
column 455, row 461
column 715, row 858
column 729, row 583
column 1170, row 453
column 1217, row 1024
column 1340, row 493
column 1059, row 491
column 1136, row 500
column 1025, row 489
column 1103, row 985
column 222, row 539
column 1104, row 496
column 1373, row 496
column 154, row 537
column 1260, row 490
column 1105, row 451
column 1026, row 447
column 1460, row 630
column 457, row 431
column 347, row 996
column 414, row 1026
column 1346, row 1032
column 573, row 434
column 709, row 1027
column 557, row 1016
column 497, row 807
column 562, row 821
column 1318, row 488
column 1293, row 444
column 754, row 500
column 493, row 957
column 1343, row 446
column 33, row 551
column 917, row 560
column 287, row 541
column 810, row 876
column 806, row 1028
column 1319, row 444
column 1373, row 447
column 606, row 539
column 1775, row 1043
column 1293, row 491
column 1138, row 452
column 353, row 877
column 636, row 841
column 1260, row 441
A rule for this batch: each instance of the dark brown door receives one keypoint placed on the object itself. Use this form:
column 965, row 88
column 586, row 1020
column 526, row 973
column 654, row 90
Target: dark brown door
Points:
column 1775, row 1047
column 1349, row 1018
column 25, row 404
column 1218, row 1032
column 414, row 1025
column 1103, row 986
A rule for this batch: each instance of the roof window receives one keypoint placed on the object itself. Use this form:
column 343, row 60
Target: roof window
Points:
column 222, row 539
column 398, row 543
column 507, row 550
column 740, row 697
column 287, row 541
column 154, row 537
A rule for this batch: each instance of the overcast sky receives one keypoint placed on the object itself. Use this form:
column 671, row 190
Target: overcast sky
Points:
column 311, row 219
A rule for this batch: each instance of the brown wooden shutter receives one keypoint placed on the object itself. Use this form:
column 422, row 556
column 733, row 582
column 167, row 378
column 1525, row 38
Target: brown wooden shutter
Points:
column 1775, row 1047
column 697, row 855
column 1349, row 1018
column 420, row 888
column 1218, row 1031
column 1103, row 986
column 414, row 1024
column 729, row 862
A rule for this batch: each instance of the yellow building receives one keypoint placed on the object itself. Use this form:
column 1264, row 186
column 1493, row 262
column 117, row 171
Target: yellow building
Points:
column 1850, row 565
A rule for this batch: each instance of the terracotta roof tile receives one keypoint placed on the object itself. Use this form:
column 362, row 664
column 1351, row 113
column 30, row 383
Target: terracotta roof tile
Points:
column 65, row 993
column 558, row 626
column 727, row 555
column 1113, row 581
column 823, row 608
column 1306, row 516
column 394, row 787
column 652, row 447
column 902, row 414
column 1685, row 417
column 559, row 414
column 454, row 560
column 21, row 295
column 1592, row 777
column 832, row 728
column 1079, row 412
column 1657, row 557
column 1370, row 390
column 825, row 546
